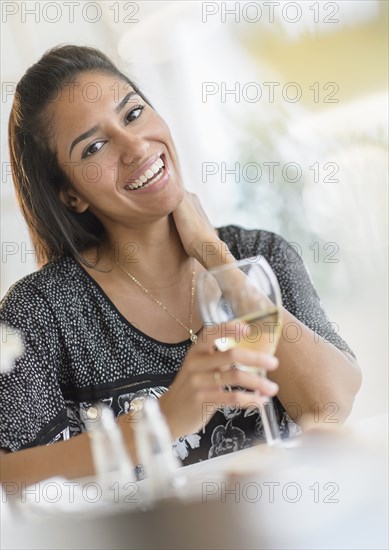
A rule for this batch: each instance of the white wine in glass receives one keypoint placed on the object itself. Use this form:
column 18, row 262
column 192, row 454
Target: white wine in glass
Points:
column 246, row 293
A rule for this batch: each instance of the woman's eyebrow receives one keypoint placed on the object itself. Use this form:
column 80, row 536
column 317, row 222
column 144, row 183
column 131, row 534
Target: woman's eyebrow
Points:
column 83, row 136
column 125, row 99
column 94, row 129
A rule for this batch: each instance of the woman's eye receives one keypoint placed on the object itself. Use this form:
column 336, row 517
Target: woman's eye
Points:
column 92, row 149
column 134, row 113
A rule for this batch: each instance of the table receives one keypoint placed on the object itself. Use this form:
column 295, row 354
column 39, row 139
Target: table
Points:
column 329, row 490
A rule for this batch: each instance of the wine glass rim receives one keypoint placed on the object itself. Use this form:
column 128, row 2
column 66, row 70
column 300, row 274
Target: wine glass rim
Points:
column 259, row 258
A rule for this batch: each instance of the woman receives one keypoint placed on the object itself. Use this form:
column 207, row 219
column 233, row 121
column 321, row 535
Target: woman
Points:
column 111, row 315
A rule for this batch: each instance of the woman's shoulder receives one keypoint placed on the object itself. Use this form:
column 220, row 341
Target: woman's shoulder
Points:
column 50, row 279
column 244, row 243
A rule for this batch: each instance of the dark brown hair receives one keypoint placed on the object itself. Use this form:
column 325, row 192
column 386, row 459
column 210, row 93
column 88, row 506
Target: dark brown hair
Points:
column 55, row 230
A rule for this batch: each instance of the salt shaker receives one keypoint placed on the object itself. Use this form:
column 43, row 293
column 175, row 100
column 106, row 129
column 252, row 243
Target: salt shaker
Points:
column 108, row 450
column 154, row 449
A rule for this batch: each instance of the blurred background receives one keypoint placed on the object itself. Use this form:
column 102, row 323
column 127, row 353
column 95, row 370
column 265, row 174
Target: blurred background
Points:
column 279, row 112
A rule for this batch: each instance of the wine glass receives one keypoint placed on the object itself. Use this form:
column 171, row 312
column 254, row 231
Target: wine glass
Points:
column 246, row 292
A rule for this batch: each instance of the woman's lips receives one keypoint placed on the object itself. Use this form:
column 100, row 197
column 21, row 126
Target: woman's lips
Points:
column 139, row 170
column 160, row 183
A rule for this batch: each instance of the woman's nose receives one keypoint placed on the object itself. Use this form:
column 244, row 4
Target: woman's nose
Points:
column 133, row 148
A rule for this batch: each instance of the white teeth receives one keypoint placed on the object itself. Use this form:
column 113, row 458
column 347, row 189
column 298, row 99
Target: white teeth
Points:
column 160, row 163
column 154, row 180
column 149, row 173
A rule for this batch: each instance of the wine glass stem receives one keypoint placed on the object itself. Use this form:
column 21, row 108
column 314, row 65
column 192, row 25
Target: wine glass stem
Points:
column 270, row 423
column 269, row 418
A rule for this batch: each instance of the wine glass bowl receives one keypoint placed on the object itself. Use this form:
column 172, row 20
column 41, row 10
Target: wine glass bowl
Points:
column 246, row 293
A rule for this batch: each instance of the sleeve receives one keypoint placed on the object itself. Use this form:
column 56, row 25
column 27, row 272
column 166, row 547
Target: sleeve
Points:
column 299, row 295
column 32, row 408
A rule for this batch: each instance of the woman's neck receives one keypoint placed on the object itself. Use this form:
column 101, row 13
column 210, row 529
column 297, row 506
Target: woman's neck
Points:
column 152, row 253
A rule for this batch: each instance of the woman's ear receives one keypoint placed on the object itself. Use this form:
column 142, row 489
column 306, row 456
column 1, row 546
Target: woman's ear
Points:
column 73, row 201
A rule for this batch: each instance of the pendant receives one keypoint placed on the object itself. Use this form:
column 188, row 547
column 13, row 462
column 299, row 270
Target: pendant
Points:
column 192, row 336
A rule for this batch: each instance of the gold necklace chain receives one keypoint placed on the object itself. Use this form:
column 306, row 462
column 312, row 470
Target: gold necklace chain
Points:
column 192, row 335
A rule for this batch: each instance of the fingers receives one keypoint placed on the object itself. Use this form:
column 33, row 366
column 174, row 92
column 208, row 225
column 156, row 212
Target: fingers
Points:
column 231, row 335
column 205, row 360
column 202, row 381
column 234, row 377
column 249, row 357
column 217, row 377
column 254, row 382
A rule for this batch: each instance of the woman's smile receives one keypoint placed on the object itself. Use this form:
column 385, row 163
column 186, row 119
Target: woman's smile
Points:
column 145, row 179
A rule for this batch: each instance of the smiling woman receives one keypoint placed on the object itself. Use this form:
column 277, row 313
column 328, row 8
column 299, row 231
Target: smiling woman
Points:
column 50, row 98
column 111, row 316
column 119, row 164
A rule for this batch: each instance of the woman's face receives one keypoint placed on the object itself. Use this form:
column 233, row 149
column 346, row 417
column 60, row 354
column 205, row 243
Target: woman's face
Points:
column 117, row 152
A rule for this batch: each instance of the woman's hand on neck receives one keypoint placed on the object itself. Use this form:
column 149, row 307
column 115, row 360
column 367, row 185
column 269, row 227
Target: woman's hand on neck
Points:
column 164, row 247
column 199, row 238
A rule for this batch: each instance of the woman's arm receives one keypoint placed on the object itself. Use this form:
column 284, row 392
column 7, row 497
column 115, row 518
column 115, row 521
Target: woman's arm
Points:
column 317, row 381
column 70, row 459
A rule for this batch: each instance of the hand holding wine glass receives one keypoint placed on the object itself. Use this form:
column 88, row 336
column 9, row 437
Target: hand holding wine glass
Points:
column 246, row 292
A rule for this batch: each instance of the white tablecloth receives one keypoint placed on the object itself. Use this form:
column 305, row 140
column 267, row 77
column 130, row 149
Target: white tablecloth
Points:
column 327, row 491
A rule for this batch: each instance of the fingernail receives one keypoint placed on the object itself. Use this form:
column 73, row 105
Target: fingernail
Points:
column 272, row 385
column 273, row 361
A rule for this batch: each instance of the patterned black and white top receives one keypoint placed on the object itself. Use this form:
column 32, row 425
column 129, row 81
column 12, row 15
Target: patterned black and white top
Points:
column 79, row 349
